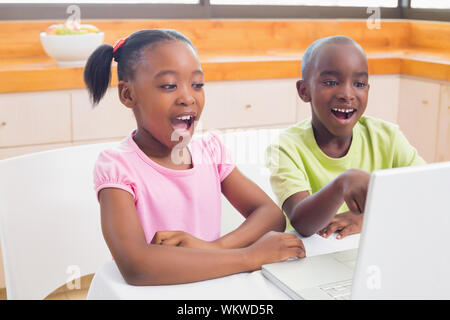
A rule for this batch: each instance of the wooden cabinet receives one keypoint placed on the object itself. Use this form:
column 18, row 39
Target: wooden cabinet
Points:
column 37, row 121
column 443, row 131
column 384, row 97
column 109, row 119
column 303, row 108
column 418, row 114
column 251, row 103
column 34, row 118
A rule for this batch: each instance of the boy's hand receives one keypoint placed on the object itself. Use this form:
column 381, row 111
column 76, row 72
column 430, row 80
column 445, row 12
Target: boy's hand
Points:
column 353, row 185
column 345, row 224
column 181, row 239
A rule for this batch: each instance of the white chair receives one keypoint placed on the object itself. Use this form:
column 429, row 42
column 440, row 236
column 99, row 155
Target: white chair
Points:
column 248, row 149
column 50, row 229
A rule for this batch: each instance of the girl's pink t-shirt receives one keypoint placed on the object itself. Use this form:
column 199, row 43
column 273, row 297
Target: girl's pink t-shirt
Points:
column 167, row 199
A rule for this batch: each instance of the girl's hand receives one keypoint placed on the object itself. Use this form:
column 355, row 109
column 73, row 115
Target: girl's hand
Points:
column 345, row 224
column 274, row 247
column 181, row 239
column 353, row 185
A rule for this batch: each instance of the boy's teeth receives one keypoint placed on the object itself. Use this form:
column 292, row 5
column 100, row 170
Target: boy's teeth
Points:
column 184, row 118
column 343, row 110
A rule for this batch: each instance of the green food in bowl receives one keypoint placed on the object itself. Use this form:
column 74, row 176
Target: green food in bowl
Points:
column 63, row 29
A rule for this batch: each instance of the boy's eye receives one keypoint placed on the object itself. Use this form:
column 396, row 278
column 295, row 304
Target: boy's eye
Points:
column 330, row 83
column 360, row 84
column 168, row 86
column 198, row 85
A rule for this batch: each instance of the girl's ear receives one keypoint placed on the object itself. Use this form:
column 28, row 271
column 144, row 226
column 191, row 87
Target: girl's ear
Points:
column 126, row 95
column 303, row 91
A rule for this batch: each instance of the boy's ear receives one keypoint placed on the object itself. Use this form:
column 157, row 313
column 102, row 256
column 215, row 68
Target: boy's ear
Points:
column 126, row 95
column 303, row 91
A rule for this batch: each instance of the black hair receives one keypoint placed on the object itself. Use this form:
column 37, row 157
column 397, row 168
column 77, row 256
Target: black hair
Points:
column 312, row 50
column 97, row 72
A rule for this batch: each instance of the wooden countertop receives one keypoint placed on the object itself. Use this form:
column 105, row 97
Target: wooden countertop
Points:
column 395, row 50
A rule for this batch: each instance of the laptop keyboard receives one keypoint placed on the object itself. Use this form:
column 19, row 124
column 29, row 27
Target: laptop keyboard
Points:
column 338, row 290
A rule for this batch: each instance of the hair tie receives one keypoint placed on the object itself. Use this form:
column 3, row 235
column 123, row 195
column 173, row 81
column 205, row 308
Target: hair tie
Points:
column 119, row 43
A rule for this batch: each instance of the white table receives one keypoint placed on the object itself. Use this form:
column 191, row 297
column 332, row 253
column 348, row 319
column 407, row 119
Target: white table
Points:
column 108, row 283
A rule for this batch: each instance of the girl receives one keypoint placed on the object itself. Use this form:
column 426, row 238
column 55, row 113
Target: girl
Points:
column 159, row 191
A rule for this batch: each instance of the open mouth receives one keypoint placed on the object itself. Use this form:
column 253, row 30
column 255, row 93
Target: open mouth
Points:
column 342, row 113
column 183, row 122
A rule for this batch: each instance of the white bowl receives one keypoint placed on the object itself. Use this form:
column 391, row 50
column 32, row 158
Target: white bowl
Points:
column 71, row 50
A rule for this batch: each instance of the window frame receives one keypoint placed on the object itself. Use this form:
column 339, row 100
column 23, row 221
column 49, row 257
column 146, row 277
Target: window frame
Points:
column 204, row 10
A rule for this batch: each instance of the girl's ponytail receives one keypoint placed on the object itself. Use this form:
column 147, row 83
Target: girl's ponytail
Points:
column 126, row 52
column 97, row 72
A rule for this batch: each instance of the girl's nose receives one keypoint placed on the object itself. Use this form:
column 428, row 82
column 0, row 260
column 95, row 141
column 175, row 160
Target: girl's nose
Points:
column 185, row 98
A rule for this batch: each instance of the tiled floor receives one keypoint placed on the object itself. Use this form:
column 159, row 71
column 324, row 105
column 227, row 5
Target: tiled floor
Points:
column 62, row 293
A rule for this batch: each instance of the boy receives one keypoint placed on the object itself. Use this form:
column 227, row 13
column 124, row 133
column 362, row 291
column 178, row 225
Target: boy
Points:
column 320, row 167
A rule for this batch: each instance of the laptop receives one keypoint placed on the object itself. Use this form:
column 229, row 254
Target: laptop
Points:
column 404, row 246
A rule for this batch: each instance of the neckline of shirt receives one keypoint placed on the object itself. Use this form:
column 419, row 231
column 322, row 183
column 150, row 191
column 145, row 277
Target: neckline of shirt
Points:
column 335, row 161
column 157, row 166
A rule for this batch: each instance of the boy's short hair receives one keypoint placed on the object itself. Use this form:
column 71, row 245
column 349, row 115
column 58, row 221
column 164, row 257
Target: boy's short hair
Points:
column 313, row 48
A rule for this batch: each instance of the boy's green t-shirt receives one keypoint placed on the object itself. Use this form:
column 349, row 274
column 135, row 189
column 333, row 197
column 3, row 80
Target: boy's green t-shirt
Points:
column 298, row 164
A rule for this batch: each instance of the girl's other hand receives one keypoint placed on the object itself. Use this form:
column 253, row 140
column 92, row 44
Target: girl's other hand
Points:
column 181, row 239
column 345, row 224
column 274, row 247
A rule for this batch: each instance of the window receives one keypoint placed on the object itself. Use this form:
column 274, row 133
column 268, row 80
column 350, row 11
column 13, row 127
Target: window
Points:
column 105, row 1
column 341, row 3
column 428, row 4
column 226, row 9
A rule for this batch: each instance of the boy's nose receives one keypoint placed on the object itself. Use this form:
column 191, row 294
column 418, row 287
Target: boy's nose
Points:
column 346, row 93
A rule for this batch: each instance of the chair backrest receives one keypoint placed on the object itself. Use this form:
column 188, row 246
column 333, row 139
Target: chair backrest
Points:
column 50, row 227
column 248, row 149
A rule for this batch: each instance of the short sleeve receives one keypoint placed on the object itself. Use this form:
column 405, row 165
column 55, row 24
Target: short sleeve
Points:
column 405, row 154
column 220, row 155
column 110, row 172
column 287, row 173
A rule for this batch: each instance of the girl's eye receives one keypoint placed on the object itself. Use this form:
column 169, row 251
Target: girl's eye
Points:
column 330, row 83
column 168, row 86
column 360, row 84
column 198, row 85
